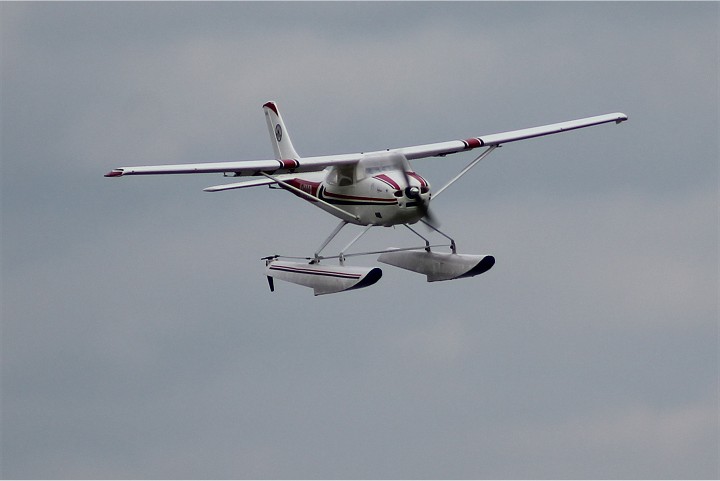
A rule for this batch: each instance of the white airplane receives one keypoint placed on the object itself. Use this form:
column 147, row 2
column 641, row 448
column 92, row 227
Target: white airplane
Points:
column 368, row 189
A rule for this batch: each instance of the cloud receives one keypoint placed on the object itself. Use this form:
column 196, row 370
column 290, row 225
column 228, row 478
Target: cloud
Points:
column 607, row 443
column 140, row 338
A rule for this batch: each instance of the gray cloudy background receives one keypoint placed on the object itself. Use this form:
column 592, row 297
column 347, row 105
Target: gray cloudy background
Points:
column 139, row 338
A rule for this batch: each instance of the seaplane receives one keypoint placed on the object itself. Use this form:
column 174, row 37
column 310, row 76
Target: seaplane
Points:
column 370, row 189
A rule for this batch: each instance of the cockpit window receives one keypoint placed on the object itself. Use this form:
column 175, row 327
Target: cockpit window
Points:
column 378, row 169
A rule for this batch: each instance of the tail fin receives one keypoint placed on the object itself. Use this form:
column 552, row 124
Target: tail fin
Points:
column 282, row 145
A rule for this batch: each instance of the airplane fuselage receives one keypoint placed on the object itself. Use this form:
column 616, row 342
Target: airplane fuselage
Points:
column 375, row 192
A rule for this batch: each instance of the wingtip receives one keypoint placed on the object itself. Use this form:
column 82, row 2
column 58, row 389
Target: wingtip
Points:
column 114, row 173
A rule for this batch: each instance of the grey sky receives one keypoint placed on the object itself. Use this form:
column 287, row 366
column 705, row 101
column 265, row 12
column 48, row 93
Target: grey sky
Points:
column 139, row 339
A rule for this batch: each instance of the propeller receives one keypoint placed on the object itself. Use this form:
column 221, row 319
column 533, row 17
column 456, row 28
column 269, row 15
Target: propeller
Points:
column 413, row 192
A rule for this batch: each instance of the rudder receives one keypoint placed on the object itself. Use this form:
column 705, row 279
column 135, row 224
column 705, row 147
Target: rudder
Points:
column 279, row 137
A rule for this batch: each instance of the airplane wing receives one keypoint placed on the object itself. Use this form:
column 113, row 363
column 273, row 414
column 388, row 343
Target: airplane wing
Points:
column 240, row 168
column 452, row 147
column 314, row 164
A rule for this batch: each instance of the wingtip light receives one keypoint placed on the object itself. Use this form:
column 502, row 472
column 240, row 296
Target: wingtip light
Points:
column 114, row 173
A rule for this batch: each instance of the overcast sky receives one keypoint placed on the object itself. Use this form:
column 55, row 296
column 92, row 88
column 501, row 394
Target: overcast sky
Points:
column 140, row 340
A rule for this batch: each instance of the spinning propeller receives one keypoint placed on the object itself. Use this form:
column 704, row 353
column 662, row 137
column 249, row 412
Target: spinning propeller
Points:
column 413, row 191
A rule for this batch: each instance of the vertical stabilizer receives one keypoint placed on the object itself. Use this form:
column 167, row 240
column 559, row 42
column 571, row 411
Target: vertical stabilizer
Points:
column 282, row 145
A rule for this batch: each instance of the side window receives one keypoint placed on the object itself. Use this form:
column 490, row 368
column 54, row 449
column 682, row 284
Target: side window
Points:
column 344, row 179
column 342, row 176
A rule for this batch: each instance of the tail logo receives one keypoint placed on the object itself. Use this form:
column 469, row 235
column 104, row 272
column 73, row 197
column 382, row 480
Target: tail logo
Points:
column 278, row 132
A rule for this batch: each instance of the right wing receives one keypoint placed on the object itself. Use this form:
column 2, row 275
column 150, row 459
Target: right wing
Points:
column 240, row 168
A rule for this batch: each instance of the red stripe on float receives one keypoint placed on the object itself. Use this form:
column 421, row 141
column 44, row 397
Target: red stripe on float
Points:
column 315, row 272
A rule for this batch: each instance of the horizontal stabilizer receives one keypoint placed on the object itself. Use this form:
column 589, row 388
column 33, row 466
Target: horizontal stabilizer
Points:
column 239, row 185
column 321, row 278
column 248, row 183
column 439, row 266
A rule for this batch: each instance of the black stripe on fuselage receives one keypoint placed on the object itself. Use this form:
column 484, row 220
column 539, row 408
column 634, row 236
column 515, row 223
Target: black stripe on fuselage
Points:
column 350, row 201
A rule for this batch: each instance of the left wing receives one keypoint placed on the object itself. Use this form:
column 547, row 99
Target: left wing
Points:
column 445, row 148
column 314, row 164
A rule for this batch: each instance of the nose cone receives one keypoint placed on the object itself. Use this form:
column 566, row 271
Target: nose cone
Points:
column 412, row 192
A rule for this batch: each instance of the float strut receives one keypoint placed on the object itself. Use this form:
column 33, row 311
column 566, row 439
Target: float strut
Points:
column 427, row 242
column 316, row 259
column 452, row 242
column 341, row 257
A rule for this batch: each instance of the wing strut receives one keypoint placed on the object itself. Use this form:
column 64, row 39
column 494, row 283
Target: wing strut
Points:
column 472, row 164
column 344, row 215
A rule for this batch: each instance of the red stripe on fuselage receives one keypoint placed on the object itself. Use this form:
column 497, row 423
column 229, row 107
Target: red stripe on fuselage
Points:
column 388, row 180
column 418, row 177
column 305, row 185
